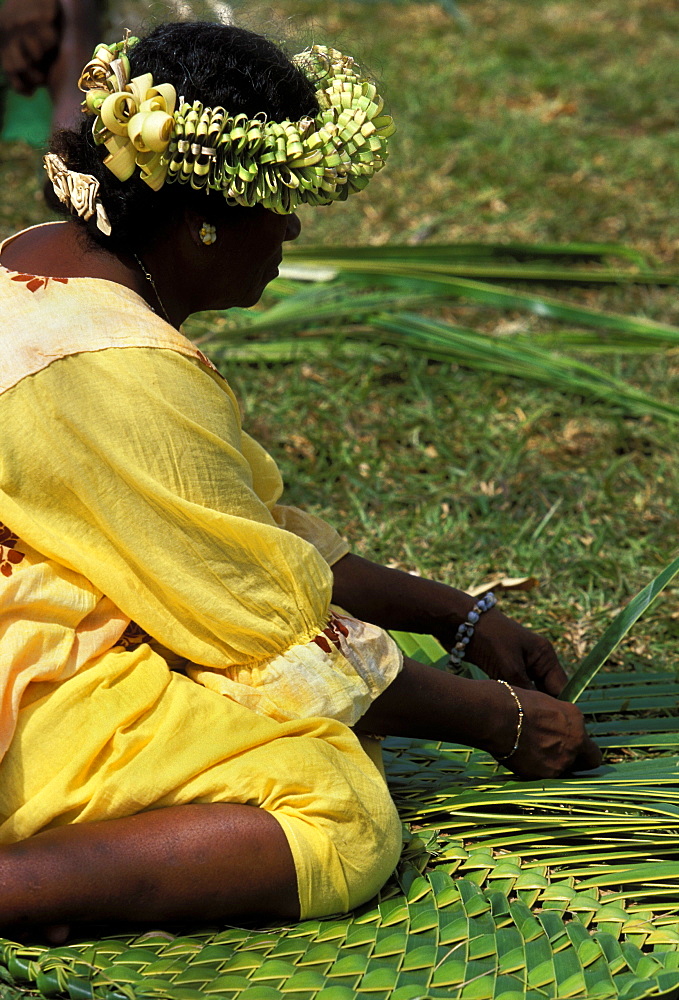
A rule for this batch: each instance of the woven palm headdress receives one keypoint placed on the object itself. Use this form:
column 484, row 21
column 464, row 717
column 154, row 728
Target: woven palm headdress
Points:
column 280, row 165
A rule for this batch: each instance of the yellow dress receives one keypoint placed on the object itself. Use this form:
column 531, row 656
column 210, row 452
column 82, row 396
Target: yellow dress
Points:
column 166, row 634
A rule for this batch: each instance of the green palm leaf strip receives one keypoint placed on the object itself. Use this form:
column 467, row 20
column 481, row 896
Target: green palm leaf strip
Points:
column 480, row 269
column 442, row 253
column 616, row 632
column 444, row 341
column 405, row 283
column 456, row 265
column 338, row 302
column 544, row 306
column 383, row 291
column 342, row 300
column 330, row 306
column 353, row 305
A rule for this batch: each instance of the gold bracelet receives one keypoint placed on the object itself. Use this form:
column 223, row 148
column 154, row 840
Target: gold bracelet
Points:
column 520, row 725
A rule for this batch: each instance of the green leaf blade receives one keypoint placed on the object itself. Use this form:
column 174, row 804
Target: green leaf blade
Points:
column 616, row 632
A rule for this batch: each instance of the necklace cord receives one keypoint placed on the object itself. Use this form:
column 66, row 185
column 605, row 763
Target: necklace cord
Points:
column 149, row 278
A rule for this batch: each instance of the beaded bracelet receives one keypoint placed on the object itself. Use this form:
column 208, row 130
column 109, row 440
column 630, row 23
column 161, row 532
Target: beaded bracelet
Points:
column 466, row 629
column 520, row 725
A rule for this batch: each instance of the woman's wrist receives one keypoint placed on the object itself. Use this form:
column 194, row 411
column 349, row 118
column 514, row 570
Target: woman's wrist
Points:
column 519, row 721
column 427, row 703
column 494, row 707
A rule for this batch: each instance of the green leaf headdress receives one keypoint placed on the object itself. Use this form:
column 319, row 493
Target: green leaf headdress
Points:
column 279, row 165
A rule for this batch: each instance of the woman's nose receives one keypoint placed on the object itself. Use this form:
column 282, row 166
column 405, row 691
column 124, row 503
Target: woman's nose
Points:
column 294, row 228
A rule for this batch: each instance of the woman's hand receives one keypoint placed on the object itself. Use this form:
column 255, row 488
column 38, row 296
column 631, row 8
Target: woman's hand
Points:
column 429, row 703
column 502, row 648
column 507, row 651
column 553, row 740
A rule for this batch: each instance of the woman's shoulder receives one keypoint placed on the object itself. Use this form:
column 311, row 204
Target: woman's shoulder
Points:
column 51, row 248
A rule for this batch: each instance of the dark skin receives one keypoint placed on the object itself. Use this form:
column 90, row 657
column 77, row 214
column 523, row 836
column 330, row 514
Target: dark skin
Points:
column 428, row 703
column 226, row 861
column 31, row 31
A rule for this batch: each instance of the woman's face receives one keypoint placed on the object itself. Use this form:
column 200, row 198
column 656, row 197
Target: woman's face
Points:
column 250, row 254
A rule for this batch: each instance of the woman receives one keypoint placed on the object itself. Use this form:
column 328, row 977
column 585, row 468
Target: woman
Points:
column 177, row 690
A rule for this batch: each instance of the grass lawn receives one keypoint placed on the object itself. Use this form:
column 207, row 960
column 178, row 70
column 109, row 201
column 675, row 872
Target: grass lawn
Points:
column 543, row 121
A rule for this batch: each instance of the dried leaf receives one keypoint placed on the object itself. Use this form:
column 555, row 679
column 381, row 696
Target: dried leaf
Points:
column 505, row 583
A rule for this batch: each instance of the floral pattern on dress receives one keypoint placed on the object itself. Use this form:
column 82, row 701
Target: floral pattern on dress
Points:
column 333, row 630
column 133, row 636
column 35, row 282
column 9, row 557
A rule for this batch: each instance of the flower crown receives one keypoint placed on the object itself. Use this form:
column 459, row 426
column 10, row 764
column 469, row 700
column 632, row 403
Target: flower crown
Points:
column 251, row 161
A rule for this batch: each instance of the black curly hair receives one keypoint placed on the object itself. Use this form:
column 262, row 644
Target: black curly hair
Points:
column 219, row 65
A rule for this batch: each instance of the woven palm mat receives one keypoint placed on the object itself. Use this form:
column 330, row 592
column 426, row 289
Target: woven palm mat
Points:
column 506, row 891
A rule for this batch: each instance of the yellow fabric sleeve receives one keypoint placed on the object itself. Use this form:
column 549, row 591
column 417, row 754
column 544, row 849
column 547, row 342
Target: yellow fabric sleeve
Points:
column 128, row 466
column 325, row 538
column 321, row 535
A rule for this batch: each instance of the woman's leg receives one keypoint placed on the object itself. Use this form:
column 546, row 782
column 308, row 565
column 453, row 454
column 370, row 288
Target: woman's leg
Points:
column 174, row 802
column 200, row 862
column 80, row 33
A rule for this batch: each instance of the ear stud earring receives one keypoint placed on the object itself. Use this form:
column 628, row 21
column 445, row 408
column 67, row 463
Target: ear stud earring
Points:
column 208, row 234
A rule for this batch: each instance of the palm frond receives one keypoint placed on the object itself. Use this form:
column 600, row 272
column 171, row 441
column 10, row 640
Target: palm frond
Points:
column 612, row 638
column 384, row 294
column 441, row 253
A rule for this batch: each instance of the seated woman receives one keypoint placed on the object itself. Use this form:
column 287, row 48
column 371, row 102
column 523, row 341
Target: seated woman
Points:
column 183, row 706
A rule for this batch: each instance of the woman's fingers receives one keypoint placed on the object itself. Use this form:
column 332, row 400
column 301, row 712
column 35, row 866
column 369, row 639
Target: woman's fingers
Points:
column 542, row 665
column 57, row 934
column 590, row 757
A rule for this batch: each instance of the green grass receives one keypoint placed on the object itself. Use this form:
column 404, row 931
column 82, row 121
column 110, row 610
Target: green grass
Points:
column 544, row 121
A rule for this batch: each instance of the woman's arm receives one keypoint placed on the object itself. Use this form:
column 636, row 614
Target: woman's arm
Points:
column 30, row 33
column 427, row 703
column 135, row 480
column 396, row 600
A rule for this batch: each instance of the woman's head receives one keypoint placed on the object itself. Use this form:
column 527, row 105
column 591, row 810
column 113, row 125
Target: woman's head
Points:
column 218, row 65
column 226, row 66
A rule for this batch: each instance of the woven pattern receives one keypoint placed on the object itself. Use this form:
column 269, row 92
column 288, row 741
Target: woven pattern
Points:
column 507, row 891
column 495, row 933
